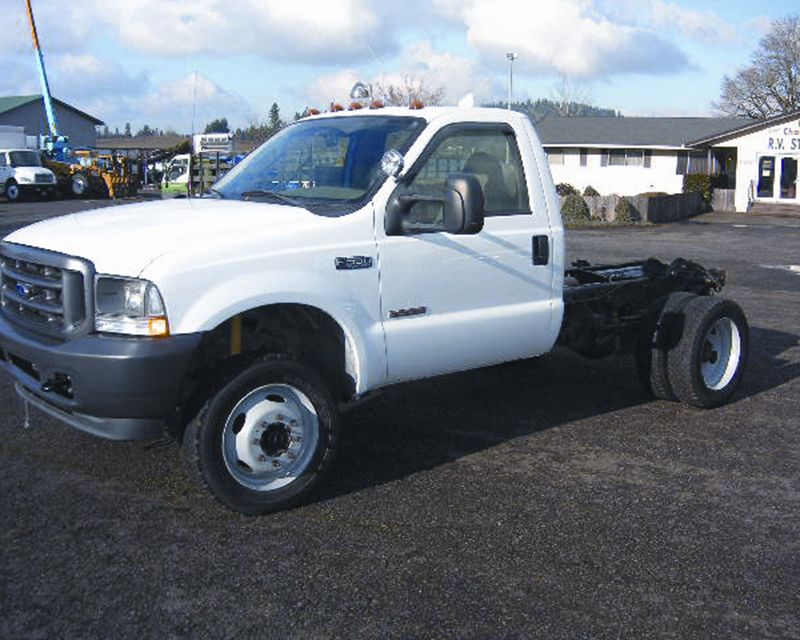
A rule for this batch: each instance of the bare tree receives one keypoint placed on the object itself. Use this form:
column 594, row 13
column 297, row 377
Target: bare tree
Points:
column 770, row 85
column 394, row 95
column 571, row 98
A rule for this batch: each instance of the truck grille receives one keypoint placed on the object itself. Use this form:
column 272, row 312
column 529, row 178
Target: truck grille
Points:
column 44, row 291
column 42, row 178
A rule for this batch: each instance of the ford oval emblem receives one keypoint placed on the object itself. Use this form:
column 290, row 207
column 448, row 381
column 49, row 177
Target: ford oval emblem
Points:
column 24, row 289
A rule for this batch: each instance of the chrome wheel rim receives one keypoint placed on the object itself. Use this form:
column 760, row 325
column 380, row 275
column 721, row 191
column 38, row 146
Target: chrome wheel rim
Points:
column 721, row 352
column 270, row 437
column 12, row 191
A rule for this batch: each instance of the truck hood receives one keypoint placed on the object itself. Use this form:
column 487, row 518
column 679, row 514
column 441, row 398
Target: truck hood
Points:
column 123, row 240
column 29, row 173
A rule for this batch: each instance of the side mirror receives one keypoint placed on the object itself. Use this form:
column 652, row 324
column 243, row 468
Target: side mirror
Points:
column 462, row 209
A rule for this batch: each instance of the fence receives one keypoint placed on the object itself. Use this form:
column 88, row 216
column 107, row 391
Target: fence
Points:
column 644, row 208
column 723, row 200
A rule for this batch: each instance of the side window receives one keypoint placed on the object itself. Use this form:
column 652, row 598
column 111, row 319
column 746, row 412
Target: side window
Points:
column 2, row 159
column 491, row 155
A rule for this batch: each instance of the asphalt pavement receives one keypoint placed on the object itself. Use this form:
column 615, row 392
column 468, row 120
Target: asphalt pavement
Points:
column 547, row 498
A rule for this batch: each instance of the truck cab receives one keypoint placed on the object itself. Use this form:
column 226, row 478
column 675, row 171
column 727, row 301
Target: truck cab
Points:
column 22, row 174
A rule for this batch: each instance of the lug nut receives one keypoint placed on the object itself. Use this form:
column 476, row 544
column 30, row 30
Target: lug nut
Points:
column 276, row 464
column 262, row 458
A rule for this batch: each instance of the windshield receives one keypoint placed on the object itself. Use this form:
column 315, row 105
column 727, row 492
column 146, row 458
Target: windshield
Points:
column 25, row 159
column 328, row 165
column 176, row 169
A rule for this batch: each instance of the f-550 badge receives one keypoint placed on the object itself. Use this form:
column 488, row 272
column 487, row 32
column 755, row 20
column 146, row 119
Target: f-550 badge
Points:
column 353, row 262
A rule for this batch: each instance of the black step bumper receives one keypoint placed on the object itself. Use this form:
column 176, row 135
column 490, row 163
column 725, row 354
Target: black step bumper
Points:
column 115, row 387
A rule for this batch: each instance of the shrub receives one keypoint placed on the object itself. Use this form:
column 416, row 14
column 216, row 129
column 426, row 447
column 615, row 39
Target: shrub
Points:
column 590, row 192
column 652, row 194
column 622, row 212
column 574, row 210
column 566, row 189
column 698, row 183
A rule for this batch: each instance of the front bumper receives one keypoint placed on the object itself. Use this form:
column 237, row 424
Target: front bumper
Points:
column 116, row 387
column 40, row 188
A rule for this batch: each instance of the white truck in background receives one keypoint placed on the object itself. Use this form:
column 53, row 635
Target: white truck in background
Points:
column 22, row 174
column 352, row 251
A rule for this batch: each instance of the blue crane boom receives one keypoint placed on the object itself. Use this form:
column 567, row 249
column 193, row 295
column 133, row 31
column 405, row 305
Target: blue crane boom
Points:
column 54, row 143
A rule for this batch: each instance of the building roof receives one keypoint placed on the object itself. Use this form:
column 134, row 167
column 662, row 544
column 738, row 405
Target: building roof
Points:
column 142, row 143
column 635, row 132
column 9, row 103
column 751, row 127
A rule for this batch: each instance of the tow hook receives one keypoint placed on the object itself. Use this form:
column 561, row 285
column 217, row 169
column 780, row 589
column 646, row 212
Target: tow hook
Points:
column 59, row 383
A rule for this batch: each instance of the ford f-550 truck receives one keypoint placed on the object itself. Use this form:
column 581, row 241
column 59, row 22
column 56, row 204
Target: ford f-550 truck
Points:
column 352, row 251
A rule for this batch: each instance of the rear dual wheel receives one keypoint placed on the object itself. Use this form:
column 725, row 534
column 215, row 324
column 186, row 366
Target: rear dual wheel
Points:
column 698, row 351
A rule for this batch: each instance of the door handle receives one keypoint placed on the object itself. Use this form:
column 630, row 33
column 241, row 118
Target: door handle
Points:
column 541, row 250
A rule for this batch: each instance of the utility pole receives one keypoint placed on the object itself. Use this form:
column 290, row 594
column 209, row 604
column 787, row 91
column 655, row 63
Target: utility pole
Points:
column 511, row 57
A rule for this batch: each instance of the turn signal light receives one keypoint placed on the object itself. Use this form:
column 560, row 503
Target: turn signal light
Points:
column 158, row 327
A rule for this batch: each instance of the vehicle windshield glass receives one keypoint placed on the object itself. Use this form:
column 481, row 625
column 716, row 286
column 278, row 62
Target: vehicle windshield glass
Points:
column 25, row 159
column 328, row 165
column 176, row 169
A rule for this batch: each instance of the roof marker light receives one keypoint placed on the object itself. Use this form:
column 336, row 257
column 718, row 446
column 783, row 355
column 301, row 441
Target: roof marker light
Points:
column 355, row 106
column 376, row 104
column 416, row 103
column 336, row 107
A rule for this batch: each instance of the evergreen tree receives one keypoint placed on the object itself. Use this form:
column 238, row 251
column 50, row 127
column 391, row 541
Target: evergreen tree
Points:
column 275, row 123
column 220, row 125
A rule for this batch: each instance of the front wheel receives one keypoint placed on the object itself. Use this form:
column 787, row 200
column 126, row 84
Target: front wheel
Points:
column 265, row 440
column 13, row 192
column 708, row 361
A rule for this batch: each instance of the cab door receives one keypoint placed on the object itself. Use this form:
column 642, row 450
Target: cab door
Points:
column 4, row 172
column 454, row 302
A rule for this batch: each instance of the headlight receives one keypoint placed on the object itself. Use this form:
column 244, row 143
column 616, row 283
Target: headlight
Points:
column 130, row 306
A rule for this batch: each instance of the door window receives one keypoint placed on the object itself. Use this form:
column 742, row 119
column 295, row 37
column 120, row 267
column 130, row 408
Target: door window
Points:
column 489, row 154
column 789, row 178
column 766, row 177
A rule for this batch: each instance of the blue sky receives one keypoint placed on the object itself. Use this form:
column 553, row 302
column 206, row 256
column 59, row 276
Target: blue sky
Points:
column 135, row 60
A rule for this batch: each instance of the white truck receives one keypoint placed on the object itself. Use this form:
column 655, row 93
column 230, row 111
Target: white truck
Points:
column 22, row 174
column 352, row 251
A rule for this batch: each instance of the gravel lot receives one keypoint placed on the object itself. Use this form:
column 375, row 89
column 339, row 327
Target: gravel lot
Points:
column 546, row 498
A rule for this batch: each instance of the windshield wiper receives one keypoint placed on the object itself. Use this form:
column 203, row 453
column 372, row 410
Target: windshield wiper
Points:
column 277, row 197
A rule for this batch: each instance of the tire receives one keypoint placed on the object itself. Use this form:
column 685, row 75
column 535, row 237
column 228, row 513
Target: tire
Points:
column 708, row 361
column 660, row 336
column 266, row 439
column 79, row 185
column 13, row 191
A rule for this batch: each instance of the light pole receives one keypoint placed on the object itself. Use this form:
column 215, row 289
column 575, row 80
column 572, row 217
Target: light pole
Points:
column 511, row 57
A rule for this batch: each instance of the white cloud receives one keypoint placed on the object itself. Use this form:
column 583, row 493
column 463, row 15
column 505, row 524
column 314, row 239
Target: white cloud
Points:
column 315, row 30
column 75, row 75
column 456, row 74
column 705, row 26
column 60, row 25
column 570, row 37
column 172, row 103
